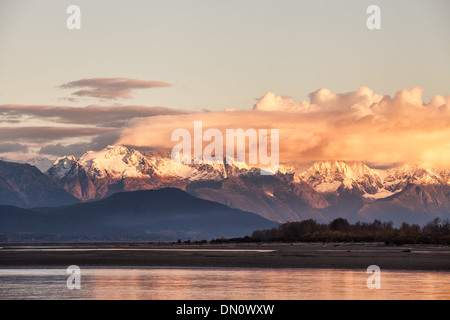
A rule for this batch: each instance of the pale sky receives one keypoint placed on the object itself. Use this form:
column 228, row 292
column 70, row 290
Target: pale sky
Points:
column 220, row 54
column 196, row 55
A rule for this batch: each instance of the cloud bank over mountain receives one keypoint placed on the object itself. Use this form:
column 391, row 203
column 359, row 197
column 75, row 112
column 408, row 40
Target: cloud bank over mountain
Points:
column 360, row 125
column 56, row 130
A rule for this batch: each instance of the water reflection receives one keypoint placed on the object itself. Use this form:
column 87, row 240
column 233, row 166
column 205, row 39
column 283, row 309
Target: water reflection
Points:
column 221, row 284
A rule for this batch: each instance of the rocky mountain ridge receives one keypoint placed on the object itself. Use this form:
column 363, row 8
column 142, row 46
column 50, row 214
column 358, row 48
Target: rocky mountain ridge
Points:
column 321, row 190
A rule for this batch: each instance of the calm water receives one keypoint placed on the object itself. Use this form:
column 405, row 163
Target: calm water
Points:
column 221, row 284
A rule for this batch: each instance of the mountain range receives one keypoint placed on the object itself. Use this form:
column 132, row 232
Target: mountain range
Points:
column 321, row 190
column 25, row 186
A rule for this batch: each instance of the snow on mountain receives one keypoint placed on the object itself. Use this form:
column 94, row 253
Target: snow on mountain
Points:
column 321, row 190
column 380, row 194
column 329, row 176
column 135, row 170
column 417, row 203
column 24, row 186
column 165, row 166
column 62, row 166
column 73, row 177
column 332, row 176
column 399, row 178
column 43, row 164
column 116, row 162
column 119, row 162
column 445, row 176
column 117, row 168
column 296, row 169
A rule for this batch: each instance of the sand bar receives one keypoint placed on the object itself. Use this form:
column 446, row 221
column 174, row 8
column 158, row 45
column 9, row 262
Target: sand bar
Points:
column 298, row 255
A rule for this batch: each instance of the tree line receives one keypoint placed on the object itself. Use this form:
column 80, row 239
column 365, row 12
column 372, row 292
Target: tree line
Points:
column 340, row 230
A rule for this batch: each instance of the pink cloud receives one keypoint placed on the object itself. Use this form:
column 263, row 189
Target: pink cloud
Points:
column 106, row 116
column 111, row 88
column 359, row 125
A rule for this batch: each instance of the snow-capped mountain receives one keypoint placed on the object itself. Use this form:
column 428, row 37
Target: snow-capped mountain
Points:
column 73, row 177
column 330, row 176
column 24, row 186
column 43, row 164
column 321, row 190
column 336, row 176
column 118, row 168
column 118, row 163
column 62, row 167
column 398, row 178
column 417, row 203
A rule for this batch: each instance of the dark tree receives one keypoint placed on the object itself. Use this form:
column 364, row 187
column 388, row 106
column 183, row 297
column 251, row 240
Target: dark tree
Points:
column 339, row 224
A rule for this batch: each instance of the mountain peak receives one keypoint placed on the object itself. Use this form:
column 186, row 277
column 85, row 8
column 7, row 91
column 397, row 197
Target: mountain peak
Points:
column 25, row 186
column 114, row 162
column 117, row 150
column 62, row 167
column 329, row 176
column 398, row 178
column 65, row 159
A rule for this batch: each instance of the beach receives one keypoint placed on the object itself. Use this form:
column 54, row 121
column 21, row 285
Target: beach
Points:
column 273, row 255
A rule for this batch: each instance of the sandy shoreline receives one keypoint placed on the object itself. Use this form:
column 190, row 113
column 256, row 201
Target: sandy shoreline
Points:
column 317, row 255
